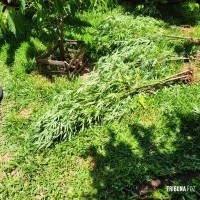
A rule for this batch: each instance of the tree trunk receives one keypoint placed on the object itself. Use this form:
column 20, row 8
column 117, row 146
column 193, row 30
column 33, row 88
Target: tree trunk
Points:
column 61, row 38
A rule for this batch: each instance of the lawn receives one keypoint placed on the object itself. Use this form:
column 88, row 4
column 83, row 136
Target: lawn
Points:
column 97, row 137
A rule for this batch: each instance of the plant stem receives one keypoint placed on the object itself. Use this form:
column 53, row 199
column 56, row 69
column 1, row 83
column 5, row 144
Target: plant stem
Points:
column 197, row 40
column 158, row 83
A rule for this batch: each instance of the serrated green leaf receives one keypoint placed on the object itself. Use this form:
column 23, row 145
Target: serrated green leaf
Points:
column 3, row 22
column 11, row 24
column 23, row 5
column 18, row 20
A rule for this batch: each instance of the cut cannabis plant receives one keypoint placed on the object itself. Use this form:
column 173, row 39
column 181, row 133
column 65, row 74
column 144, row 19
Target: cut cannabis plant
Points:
column 106, row 94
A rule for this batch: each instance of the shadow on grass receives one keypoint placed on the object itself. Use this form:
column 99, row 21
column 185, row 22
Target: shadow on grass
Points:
column 74, row 27
column 178, row 14
column 186, row 49
column 121, row 173
column 14, row 43
column 24, row 58
column 76, row 22
column 173, row 12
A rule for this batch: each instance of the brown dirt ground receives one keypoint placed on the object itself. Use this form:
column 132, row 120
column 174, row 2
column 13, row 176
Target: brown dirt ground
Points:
column 192, row 78
column 188, row 30
column 25, row 113
column 197, row 55
column 3, row 160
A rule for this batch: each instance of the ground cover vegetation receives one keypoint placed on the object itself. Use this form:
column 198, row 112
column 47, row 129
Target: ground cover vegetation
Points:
column 98, row 136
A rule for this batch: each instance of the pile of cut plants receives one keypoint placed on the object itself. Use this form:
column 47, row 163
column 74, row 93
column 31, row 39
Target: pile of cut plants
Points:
column 138, row 63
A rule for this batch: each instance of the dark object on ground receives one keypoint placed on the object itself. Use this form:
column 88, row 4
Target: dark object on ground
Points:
column 161, row 182
column 1, row 94
column 11, row 3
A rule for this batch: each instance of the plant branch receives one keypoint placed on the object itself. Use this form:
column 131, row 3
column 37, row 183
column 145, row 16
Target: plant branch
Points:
column 197, row 40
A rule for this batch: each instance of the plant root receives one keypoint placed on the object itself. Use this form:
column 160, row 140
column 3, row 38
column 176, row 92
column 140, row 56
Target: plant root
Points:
column 191, row 73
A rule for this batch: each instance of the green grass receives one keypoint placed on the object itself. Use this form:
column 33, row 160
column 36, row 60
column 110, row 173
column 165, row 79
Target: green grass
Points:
column 114, row 146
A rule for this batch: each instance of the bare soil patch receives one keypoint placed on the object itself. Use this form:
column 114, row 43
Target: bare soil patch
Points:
column 4, row 159
column 188, row 30
column 192, row 77
column 25, row 113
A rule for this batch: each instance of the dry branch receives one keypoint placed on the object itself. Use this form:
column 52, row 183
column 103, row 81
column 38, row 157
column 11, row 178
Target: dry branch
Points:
column 197, row 40
column 184, row 58
column 79, row 54
column 71, row 50
column 74, row 42
column 50, row 62
column 80, row 69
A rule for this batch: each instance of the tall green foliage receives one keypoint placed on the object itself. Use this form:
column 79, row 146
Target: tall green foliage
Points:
column 11, row 18
column 57, row 11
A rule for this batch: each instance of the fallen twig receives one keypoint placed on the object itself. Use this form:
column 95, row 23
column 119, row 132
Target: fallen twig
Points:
column 197, row 40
